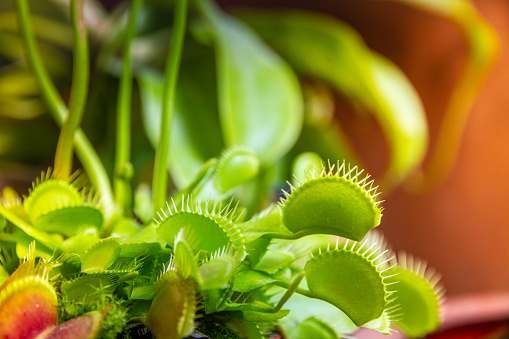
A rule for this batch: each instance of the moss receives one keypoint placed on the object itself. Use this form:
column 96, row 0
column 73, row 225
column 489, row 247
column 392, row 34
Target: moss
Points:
column 114, row 321
column 215, row 329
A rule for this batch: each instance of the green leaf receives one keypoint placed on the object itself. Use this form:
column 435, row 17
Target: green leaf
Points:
column 356, row 285
column 194, row 188
column 255, row 305
column 125, row 228
column 100, row 256
column 312, row 328
column 260, row 102
column 419, row 298
column 217, row 299
column 4, row 275
column 24, row 244
column 71, row 220
column 334, row 202
column 265, row 316
column 49, row 195
column 143, row 206
column 247, row 280
column 24, row 225
column 303, row 308
column 80, row 243
column 235, row 167
column 206, row 228
column 303, row 164
column 211, row 238
column 184, row 259
column 88, row 287
column 323, row 47
column 137, row 249
column 3, row 222
column 70, row 266
column 216, row 272
column 269, row 221
column 173, row 308
column 143, row 292
column 273, row 261
column 256, row 311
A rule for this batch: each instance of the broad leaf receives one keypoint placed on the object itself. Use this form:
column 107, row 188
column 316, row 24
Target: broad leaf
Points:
column 358, row 284
column 101, row 255
column 323, row 47
column 217, row 272
column 247, row 280
column 419, row 296
column 260, row 102
column 334, row 202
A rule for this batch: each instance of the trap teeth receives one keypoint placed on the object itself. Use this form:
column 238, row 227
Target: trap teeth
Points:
column 338, row 202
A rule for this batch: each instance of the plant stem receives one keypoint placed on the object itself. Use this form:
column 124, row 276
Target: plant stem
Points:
column 86, row 153
column 160, row 179
column 123, row 167
column 291, row 290
column 296, row 289
column 194, row 188
column 48, row 90
column 483, row 48
column 79, row 91
column 23, row 225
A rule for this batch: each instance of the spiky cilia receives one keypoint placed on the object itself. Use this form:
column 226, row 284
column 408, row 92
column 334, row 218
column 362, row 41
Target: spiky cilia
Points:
column 333, row 201
column 359, row 284
column 211, row 226
column 63, row 206
column 420, row 295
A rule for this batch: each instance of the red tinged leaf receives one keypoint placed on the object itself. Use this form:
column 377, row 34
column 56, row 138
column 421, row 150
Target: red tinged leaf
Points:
column 28, row 306
column 85, row 327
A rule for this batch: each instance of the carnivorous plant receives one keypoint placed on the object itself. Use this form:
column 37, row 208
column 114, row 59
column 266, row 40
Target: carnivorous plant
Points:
column 257, row 219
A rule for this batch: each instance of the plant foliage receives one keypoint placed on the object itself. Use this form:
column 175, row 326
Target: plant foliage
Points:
column 224, row 110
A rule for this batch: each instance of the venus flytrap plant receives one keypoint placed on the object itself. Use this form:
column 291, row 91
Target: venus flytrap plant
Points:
column 174, row 306
column 213, row 226
column 28, row 306
column 312, row 206
column 359, row 270
column 88, row 157
column 235, row 167
column 204, row 258
column 420, row 289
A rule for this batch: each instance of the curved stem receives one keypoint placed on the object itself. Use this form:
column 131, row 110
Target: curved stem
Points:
column 296, row 289
column 482, row 51
column 203, row 176
column 294, row 286
column 48, row 90
column 86, row 153
column 160, row 179
column 79, row 91
column 123, row 166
